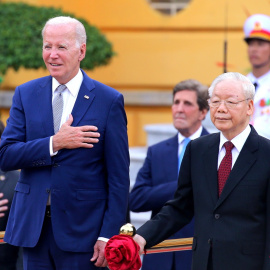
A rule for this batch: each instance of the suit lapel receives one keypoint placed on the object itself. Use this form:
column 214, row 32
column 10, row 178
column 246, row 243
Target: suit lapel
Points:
column 84, row 99
column 44, row 104
column 243, row 164
column 210, row 164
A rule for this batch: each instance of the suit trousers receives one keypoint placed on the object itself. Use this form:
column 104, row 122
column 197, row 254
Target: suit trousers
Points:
column 8, row 257
column 47, row 255
column 210, row 261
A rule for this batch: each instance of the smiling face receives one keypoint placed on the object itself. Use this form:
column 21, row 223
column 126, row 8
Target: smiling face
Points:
column 233, row 121
column 187, row 116
column 61, row 53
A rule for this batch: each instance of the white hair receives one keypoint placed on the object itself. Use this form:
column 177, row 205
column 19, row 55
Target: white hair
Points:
column 247, row 85
column 79, row 28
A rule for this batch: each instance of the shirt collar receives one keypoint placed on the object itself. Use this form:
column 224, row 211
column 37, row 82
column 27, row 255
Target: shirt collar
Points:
column 194, row 136
column 73, row 85
column 237, row 141
column 259, row 80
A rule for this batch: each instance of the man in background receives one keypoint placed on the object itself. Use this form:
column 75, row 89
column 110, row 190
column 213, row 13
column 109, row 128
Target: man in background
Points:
column 156, row 181
column 257, row 37
column 8, row 180
column 68, row 135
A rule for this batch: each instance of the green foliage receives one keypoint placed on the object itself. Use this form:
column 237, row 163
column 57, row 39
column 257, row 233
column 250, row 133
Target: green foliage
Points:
column 21, row 41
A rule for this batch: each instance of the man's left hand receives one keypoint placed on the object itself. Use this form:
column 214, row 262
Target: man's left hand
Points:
column 98, row 255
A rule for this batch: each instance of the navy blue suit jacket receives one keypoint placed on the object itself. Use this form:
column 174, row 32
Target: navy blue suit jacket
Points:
column 236, row 225
column 89, row 187
column 155, row 184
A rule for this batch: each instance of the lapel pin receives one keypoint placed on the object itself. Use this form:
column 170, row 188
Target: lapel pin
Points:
column 2, row 178
column 87, row 97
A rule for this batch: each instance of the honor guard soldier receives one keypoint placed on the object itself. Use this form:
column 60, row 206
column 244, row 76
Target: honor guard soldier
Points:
column 257, row 37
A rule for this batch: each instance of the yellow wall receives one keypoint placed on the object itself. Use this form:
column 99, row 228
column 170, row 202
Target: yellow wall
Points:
column 156, row 51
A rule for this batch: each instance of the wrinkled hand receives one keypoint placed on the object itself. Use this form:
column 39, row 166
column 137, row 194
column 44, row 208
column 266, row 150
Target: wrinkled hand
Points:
column 141, row 242
column 98, row 255
column 75, row 137
column 3, row 206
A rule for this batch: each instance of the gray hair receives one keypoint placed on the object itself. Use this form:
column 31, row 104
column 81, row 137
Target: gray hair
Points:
column 198, row 88
column 247, row 85
column 79, row 28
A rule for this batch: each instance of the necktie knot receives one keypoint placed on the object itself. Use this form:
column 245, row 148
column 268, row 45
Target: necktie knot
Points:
column 185, row 142
column 60, row 89
column 228, row 146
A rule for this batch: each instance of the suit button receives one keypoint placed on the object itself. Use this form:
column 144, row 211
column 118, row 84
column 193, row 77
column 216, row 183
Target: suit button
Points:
column 47, row 190
column 217, row 216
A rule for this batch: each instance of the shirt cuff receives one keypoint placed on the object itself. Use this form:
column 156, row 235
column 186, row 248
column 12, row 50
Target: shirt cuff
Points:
column 103, row 239
column 51, row 148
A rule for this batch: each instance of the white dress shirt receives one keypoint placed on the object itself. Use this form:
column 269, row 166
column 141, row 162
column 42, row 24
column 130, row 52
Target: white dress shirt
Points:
column 238, row 143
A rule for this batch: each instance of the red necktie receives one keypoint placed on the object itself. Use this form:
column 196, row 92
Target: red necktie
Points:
column 225, row 166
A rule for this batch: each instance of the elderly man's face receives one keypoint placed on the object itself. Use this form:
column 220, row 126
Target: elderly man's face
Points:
column 61, row 53
column 187, row 116
column 233, row 120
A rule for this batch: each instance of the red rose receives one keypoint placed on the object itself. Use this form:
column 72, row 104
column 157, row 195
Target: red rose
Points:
column 122, row 253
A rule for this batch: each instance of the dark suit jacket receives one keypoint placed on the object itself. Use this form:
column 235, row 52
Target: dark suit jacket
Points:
column 89, row 187
column 235, row 225
column 155, row 184
column 8, row 253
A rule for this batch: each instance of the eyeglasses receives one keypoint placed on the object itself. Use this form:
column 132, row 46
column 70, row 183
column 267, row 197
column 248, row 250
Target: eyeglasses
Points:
column 229, row 104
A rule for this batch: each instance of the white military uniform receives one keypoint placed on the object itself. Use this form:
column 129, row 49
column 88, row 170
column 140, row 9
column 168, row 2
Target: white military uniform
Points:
column 261, row 116
column 257, row 26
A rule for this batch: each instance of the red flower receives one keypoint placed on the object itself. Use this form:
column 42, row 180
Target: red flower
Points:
column 122, row 253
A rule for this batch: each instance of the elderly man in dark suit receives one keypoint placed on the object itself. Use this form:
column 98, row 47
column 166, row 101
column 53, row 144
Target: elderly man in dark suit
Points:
column 224, row 182
column 73, row 189
column 157, row 180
